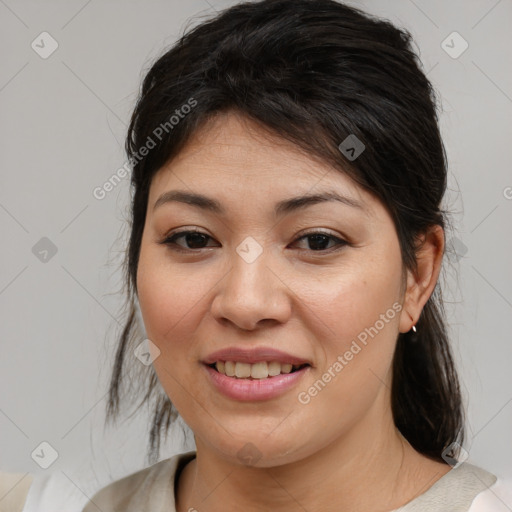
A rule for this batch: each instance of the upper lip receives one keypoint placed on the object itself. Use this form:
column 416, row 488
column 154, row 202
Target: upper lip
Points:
column 253, row 355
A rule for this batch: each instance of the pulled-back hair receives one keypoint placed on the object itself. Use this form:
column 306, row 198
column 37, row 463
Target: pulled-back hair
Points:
column 313, row 72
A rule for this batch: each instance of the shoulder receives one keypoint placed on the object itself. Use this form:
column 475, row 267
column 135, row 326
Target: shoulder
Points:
column 14, row 488
column 453, row 492
column 149, row 487
column 472, row 477
column 497, row 497
column 460, row 486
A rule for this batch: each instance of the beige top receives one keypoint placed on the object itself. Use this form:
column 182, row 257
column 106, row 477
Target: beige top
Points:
column 149, row 489
column 14, row 488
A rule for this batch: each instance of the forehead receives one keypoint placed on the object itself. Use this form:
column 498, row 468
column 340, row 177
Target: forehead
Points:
column 234, row 156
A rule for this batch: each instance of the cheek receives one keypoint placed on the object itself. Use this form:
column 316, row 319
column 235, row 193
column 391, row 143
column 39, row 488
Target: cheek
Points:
column 356, row 314
column 350, row 299
column 171, row 303
column 169, row 298
column 361, row 310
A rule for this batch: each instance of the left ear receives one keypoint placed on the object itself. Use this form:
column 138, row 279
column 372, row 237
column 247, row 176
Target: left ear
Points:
column 421, row 284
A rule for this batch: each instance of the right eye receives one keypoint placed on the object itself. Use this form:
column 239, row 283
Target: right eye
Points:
column 193, row 238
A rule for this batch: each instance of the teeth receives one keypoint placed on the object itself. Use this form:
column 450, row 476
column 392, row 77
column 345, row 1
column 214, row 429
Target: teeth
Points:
column 229, row 367
column 260, row 370
column 274, row 368
column 242, row 370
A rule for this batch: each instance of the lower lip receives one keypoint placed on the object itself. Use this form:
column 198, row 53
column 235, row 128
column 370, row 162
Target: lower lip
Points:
column 254, row 389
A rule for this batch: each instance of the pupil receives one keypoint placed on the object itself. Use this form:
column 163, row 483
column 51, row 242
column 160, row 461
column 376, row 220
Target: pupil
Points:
column 196, row 238
column 317, row 238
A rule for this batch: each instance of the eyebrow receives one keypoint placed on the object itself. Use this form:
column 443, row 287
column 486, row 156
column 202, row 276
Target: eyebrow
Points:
column 283, row 207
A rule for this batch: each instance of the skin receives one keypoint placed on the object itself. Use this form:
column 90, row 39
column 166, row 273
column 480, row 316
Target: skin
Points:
column 341, row 451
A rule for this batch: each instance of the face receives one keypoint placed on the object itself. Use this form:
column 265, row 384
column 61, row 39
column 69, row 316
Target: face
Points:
column 322, row 282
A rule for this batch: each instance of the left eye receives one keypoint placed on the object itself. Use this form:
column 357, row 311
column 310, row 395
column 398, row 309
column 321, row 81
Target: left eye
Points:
column 317, row 240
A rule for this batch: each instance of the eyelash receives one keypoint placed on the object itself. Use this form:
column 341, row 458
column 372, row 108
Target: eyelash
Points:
column 170, row 241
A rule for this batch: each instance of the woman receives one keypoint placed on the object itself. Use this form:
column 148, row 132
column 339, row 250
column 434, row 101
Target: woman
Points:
column 286, row 244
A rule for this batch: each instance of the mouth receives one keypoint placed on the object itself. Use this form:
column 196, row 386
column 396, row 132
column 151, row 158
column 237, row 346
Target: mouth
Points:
column 257, row 371
column 259, row 381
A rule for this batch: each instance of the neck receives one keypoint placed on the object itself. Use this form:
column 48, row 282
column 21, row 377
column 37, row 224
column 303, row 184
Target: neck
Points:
column 370, row 467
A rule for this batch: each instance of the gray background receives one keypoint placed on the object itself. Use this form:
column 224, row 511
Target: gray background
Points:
column 63, row 121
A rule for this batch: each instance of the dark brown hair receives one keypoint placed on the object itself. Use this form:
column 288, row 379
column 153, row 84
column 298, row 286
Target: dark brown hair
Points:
column 313, row 72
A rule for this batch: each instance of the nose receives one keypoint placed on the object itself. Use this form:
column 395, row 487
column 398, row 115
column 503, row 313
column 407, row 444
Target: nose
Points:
column 251, row 294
